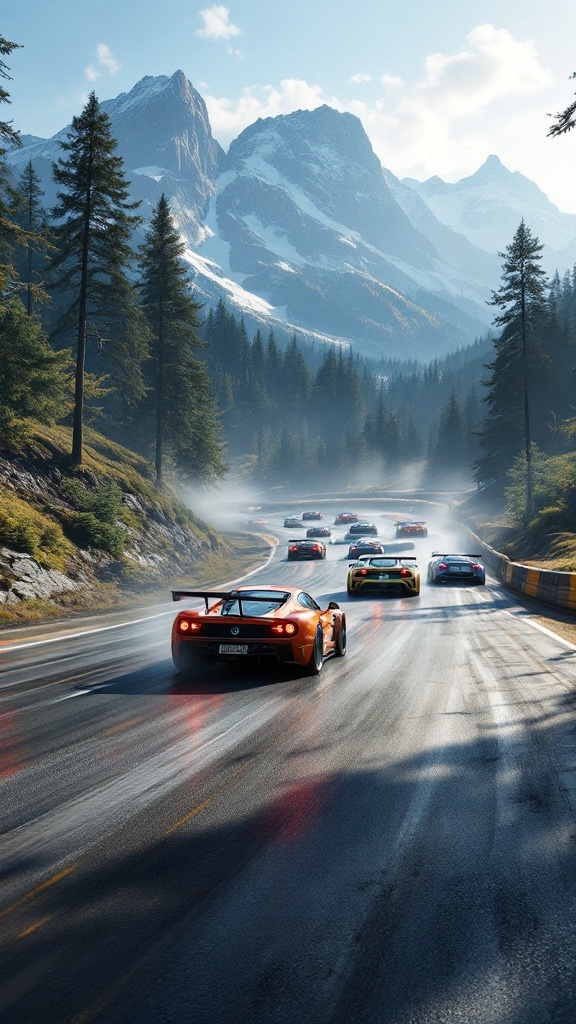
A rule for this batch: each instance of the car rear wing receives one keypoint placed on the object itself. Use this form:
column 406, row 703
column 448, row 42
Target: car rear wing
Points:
column 210, row 596
column 455, row 554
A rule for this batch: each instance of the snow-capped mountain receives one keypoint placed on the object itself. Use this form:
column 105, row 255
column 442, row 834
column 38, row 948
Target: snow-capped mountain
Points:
column 164, row 137
column 300, row 228
column 487, row 207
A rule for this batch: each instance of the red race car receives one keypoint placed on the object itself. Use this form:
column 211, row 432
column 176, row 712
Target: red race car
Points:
column 284, row 623
column 345, row 517
column 411, row 528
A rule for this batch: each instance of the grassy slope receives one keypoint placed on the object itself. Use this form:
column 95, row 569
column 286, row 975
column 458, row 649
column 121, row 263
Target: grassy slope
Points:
column 165, row 543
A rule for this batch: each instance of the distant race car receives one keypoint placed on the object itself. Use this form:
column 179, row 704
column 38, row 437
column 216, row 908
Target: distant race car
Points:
column 345, row 517
column 362, row 530
column 411, row 528
column 312, row 515
column 372, row 574
column 319, row 531
column 454, row 568
column 308, row 548
column 293, row 523
column 254, row 622
column 365, row 546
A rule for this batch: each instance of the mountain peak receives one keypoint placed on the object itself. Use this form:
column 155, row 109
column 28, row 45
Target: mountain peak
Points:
column 492, row 167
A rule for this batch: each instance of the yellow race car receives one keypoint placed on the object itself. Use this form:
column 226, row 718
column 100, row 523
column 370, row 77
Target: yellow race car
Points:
column 372, row 574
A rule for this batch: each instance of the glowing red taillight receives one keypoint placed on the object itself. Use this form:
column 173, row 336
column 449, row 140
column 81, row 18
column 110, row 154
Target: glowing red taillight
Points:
column 442, row 565
column 295, row 548
column 188, row 626
column 362, row 572
column 476, row 566
column 285, row 629
column 405, row 572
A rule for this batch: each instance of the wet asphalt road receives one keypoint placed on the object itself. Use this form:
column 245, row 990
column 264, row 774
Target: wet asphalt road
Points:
column 392, row 842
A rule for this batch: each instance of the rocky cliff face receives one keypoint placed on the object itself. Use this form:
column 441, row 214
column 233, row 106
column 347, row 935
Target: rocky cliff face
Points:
column 161, row 541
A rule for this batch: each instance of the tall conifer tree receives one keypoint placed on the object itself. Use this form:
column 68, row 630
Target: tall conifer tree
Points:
column 520, row 366
column 184, row 412
column 95, row 225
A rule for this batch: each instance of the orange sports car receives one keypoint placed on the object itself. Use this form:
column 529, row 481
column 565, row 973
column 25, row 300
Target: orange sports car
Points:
column 252, row 622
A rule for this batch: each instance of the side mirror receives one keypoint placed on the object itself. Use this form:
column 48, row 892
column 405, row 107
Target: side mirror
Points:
column 333, row 605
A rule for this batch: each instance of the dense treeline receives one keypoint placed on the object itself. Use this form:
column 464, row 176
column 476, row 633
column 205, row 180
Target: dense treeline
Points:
column 315, row 410
column 94, row 330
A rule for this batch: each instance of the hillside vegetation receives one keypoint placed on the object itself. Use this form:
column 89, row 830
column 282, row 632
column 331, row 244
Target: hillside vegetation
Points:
column 99, row 535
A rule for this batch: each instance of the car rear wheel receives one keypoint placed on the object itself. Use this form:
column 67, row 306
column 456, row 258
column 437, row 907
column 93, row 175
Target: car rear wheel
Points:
column 316, row 659
column 189, row 662
column 340, row 646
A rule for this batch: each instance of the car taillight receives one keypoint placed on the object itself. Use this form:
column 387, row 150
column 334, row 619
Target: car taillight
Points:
column 476, row 566
column 362, row 572
column 295, row 548
column 188, row 626
column 442, row 565
column 285, row 628
column 316, row 547
column 405, row 572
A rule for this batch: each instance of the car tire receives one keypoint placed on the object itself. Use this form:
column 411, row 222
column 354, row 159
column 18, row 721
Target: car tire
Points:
column 340, row 645
column 316, row 660
column 189, row 662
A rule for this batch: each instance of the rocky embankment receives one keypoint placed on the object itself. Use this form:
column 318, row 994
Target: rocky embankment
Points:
column 60, row 545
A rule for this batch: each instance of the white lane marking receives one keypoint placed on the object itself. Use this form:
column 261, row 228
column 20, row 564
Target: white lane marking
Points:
column 543, row 629
column 119, row 625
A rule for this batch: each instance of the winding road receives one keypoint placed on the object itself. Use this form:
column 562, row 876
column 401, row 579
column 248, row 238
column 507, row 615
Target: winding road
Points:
column 393, row 842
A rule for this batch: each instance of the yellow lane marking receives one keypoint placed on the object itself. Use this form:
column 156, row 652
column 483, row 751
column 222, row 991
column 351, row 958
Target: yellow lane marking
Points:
column 33, row 927
column 191, row 815
column 38, row 890
column 123, row 725
column 206, row 803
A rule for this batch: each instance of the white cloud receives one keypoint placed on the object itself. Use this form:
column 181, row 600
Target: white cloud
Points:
column 216, row 23
column 488, row 97
column 105, row 60
column 229, row 117
column 359, row 79
column 449, row 121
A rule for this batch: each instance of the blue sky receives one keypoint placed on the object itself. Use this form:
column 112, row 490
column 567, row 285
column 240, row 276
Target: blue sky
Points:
column 438, row 86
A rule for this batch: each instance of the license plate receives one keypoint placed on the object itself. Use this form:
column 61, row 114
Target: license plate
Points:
column 383, row 576
column 233, row 649
column 460, row 568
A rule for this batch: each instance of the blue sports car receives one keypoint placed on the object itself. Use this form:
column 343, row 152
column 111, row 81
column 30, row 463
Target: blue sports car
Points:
column 453, row 568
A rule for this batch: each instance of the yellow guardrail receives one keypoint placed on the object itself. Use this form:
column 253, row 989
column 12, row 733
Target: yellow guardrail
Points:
column 555, row 588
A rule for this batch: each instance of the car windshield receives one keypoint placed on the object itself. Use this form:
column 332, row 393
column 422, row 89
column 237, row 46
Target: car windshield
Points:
column 253, row 603
column 380, row 563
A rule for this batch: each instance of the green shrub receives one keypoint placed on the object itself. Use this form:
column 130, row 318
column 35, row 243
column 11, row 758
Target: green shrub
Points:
column 87, row 531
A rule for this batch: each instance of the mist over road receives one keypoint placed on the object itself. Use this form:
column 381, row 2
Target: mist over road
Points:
column 393, row 841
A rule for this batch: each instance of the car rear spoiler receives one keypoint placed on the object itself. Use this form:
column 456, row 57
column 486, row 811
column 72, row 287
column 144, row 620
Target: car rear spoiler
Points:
column 454, row 554
column 210, row 596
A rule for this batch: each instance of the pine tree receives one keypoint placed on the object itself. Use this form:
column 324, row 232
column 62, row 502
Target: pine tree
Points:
column 34, row 380
column 95, row 224
column 451, row 452
column 520, row 367
column 184, row 412
column 11, row 234
column 29, row 213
